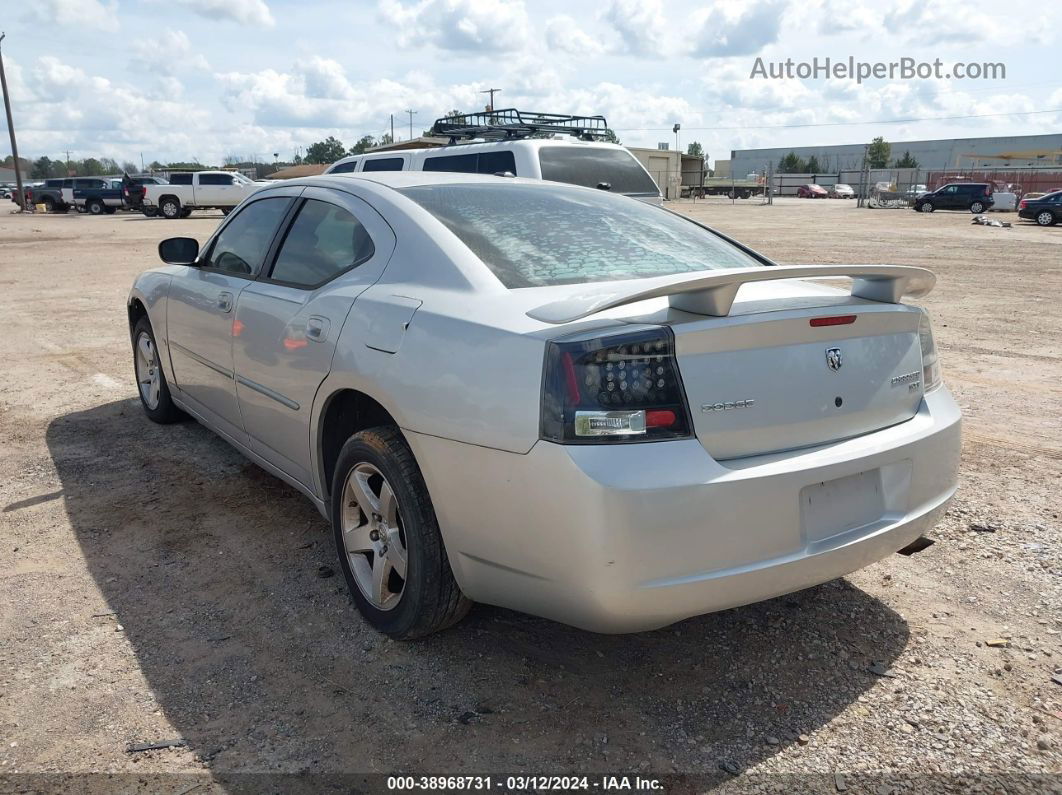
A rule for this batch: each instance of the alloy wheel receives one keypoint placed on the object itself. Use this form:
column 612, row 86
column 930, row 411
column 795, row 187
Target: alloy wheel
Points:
column 1045, row 219
column 373, row 537
column 148, row 377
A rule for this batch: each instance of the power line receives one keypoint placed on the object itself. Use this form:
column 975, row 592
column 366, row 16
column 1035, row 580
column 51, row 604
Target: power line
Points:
column 844, row 123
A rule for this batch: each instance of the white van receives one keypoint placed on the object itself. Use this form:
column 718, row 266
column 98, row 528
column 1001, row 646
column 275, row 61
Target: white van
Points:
column 592, row 164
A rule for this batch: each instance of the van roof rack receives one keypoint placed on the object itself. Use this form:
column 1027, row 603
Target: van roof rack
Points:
column 509, row 123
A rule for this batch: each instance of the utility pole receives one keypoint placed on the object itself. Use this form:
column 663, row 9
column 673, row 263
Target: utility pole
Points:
column 411, row 112
column 492, row 92
column 142, row 169
column 11, row 130
column 392, row 128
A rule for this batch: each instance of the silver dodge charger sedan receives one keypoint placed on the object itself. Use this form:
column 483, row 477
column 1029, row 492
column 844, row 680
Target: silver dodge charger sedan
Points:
column 551, row 398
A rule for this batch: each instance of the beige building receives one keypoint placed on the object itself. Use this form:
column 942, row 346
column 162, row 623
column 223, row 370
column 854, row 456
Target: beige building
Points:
column 670, row 170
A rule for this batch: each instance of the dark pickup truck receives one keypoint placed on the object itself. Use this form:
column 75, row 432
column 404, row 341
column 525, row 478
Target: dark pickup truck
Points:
column 94, row 195
column 50, row 194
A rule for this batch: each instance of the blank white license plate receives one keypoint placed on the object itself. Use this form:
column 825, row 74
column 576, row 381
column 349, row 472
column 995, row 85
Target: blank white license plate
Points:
column 840, row 505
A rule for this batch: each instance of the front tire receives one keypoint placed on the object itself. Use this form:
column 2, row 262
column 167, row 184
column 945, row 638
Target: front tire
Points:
column 150, row 379
column 95, row 207
column 388, row 540
column 1045, row 218
column 977, row 208
column 927, row 207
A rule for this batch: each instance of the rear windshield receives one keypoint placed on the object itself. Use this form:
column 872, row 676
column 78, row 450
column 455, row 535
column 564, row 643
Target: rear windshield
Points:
column 589, row 167
column 541, row 235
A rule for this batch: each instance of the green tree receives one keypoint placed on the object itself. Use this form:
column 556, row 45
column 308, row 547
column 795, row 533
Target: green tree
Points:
column 813, row 165
column 610, row 137
column 906, row 161
column 792, row 164
column 695, row 149
column 42, row 168
column 878, row 153
column 90, row 167
column 327, row 151
column 364, row 144
column 386, row 139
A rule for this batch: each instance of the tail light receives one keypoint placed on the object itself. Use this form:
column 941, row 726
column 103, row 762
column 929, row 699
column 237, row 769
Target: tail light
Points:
column 619, row 388
column 1022, row 205
column 930, row 363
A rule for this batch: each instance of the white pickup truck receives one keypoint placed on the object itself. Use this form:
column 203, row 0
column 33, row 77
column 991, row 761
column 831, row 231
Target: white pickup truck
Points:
column 185, row 192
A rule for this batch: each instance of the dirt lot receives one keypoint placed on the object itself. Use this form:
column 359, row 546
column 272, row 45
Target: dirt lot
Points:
column 156, row 585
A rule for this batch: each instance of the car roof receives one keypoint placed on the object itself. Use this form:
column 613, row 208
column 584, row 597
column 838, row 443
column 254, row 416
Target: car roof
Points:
column 409, row 179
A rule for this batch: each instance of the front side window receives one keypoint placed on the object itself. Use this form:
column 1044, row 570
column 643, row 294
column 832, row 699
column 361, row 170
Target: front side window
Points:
column 323, row 241
column 383, row 164
column 243, row 243
column 592, row 167
column 541, row 235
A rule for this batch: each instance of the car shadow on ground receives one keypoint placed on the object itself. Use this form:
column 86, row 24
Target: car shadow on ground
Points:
column 262, row 664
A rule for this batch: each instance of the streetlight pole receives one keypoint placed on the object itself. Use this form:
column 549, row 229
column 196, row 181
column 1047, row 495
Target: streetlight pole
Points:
column 11, row 130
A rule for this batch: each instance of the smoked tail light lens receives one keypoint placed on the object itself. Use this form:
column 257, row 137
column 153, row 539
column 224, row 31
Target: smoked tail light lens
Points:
column 931, row 378
column 619, row 388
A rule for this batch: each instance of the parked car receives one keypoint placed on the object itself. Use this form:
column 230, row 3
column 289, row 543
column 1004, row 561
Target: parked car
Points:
column 588, row 163
column 508, row 390
column 976, row 197
column 201, row 190
column 94, row 195
column 1045, row 210
column 49, row 193
column 842, row 191
column 812, row 191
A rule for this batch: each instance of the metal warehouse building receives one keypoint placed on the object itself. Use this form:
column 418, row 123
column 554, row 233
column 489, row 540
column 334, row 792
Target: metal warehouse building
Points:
column 956, row 153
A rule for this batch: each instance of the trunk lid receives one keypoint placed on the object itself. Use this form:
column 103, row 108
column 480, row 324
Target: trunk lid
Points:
column 761, row 382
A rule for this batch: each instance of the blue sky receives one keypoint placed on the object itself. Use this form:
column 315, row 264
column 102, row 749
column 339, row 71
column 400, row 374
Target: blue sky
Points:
column 210, row 79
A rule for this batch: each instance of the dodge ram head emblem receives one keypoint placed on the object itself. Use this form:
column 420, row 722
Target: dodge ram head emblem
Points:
column 833, row 359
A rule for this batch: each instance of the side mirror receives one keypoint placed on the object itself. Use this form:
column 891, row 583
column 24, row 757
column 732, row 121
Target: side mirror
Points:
column 604, row 186
column 179, row 250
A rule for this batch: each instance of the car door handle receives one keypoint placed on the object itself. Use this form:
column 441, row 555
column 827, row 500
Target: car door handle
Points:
column 317, row 328
column 225, row 301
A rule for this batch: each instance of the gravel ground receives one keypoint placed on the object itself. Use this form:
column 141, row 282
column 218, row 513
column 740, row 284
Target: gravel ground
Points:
column 158, row 586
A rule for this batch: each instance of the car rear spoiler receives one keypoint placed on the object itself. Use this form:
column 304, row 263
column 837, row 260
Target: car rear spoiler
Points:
column 714, row 294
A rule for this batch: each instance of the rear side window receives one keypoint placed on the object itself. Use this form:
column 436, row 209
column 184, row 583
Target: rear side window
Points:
column 473, row 163
column 180, row 179
column 323, row 241
column 344, row 168
column 590, row 167
column 464, row 164
column 383, row 164
column 215, row 179
column 540, row 235
column 243, row 243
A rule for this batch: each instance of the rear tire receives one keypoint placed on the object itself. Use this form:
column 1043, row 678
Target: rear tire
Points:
column 1045, row 218
column 150, row 212
column 397, row 532
column 977, row 208
column 49, row 204
column 170, row 208
column 150, row 379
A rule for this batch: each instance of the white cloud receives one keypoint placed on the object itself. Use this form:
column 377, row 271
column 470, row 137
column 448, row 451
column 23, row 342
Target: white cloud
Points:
column 848, row 16
column 640, row 24
column 563, row 34
column 168, row 53
column 246, row 12
column 954, row 22
column 460, row 25
column 729, row 29
column 89, row 14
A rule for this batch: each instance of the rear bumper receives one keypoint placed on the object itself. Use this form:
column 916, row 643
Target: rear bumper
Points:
column 634, row 537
